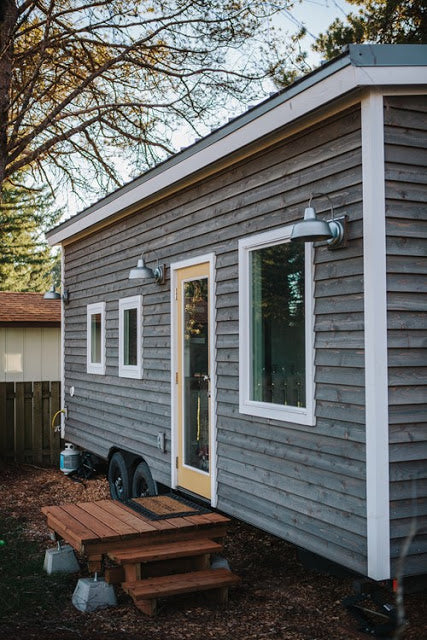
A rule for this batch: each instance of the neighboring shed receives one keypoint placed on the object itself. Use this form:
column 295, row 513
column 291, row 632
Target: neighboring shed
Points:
column 283, row 383
column 30, row 373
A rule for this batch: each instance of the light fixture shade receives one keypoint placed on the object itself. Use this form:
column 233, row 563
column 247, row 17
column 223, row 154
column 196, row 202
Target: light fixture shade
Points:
column 141, row 271
column 52, row 294
column 311, row 229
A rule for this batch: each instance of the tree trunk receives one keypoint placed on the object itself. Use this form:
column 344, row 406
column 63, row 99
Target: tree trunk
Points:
column 8, row 18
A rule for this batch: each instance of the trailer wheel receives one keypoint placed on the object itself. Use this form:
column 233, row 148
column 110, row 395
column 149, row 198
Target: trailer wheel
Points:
column 118, row 478
column 143, row 483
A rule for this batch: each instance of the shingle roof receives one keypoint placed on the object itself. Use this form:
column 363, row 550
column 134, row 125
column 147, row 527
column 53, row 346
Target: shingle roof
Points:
column 28, row 308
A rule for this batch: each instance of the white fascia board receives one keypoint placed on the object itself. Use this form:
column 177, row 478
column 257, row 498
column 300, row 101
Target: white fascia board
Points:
column 375, row 317
column 325, row 91
column 390, row 76
column 317, row 95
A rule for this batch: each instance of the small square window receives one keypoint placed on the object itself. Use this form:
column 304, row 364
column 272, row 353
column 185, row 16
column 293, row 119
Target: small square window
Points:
column 275, row 325
column 130, row 337
column 96, row 338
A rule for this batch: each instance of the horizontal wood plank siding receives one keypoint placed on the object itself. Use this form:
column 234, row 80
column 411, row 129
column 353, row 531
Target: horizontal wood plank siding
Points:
column 406, row 226
column 306, row 484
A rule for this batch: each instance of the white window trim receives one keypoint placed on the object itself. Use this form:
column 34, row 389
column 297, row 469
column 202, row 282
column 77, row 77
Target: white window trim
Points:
column 95, row 367
column 298, row 415
column 128, row 370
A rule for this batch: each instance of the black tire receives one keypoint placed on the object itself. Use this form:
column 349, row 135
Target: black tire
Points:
column 143, row 483
column 118, row 478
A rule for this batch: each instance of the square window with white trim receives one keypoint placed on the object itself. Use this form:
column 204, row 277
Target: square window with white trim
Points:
column 130, row 337
column 276, row 361
column 96, row 338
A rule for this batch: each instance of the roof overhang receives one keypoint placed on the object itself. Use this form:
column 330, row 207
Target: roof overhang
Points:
column 364, row 67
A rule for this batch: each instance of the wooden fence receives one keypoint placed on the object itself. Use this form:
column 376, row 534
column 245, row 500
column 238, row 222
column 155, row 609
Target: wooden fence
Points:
column 26, row 411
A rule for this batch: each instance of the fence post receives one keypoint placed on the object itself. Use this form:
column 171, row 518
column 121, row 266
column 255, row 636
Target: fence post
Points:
column 19, row 422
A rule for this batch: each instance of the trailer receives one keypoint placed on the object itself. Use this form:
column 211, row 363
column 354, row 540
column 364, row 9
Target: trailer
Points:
column 212, row 347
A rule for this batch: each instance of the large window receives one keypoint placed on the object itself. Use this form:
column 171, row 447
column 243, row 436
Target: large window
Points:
column 276, row 334
column 130, row 354
column 96, row 338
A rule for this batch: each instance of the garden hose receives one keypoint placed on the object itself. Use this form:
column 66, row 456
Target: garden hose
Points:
column 54, row 418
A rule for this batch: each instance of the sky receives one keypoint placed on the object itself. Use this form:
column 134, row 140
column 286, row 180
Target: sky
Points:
column 316, row 15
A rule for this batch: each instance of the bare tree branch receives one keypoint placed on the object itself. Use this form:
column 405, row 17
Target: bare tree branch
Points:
column 79, row 79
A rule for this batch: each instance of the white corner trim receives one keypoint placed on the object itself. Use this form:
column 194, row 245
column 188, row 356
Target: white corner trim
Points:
column 375, row 315
column 296, row 415
column 62, row 363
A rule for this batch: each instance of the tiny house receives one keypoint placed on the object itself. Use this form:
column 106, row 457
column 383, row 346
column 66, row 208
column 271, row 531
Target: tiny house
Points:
column 279, row 380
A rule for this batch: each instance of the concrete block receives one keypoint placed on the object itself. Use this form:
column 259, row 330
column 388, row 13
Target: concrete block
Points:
column 219, row 562
column 93, row 593
column 60, row 560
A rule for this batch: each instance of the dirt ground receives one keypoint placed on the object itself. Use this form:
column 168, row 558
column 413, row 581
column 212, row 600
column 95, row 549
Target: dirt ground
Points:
column 278, row 598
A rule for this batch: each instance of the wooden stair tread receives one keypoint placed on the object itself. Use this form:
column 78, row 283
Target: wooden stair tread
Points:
column 163, row 586
column 166, row 551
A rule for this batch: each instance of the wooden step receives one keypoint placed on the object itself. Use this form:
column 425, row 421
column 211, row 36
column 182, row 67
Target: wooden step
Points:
column 180, row 583
column 166, row 551
column 145, row 592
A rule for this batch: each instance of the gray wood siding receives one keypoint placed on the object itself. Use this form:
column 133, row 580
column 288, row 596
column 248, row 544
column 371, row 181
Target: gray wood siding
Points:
column 305, row 484
column 406, row 220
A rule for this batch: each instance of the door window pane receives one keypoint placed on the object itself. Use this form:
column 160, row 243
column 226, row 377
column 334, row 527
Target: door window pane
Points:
column 278, row 325
column 196, row 374
column 130, row 339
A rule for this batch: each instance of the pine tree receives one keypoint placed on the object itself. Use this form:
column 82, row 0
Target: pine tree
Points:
column 26, row 261
column 377, row 21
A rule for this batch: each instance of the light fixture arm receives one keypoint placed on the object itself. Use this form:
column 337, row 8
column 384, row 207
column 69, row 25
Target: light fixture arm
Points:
column 159, row 273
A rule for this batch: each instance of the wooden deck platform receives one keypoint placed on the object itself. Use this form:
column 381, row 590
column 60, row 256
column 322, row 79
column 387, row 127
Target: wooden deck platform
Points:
column 160, row 541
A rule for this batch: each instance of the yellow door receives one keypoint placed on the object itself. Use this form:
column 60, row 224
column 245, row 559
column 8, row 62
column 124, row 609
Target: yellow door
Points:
column 193, row 380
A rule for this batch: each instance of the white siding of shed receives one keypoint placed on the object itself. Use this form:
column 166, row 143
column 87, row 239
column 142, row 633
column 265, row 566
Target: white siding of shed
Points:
column 30, row 354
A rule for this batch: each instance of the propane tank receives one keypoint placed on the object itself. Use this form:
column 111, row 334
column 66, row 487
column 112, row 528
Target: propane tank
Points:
column 69, row 459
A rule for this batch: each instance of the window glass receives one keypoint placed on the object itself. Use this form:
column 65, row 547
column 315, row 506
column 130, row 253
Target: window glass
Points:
column 196, row 374
column 278, row 324
column 130, row 338
column 96, row 333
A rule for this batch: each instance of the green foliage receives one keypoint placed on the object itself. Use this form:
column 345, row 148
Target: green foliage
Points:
column 377, row 21
column 26, row 261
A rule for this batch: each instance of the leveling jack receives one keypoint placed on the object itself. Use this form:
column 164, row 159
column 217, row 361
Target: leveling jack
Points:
column 376, row 616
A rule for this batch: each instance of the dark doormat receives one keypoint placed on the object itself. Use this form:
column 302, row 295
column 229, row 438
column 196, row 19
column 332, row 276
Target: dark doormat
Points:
column 165, row 507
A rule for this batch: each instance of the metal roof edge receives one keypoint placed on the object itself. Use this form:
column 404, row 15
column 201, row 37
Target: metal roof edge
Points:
column 388, row 55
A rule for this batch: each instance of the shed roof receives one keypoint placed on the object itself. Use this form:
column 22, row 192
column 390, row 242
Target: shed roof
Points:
column 27, row 308
column 358, row 67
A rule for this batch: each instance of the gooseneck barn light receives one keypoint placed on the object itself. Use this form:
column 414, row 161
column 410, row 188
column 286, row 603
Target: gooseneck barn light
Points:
column 312, row 229
column 53, row 294
column 142, row 272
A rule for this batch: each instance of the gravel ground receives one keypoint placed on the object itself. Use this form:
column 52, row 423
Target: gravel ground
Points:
column 278, row 598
